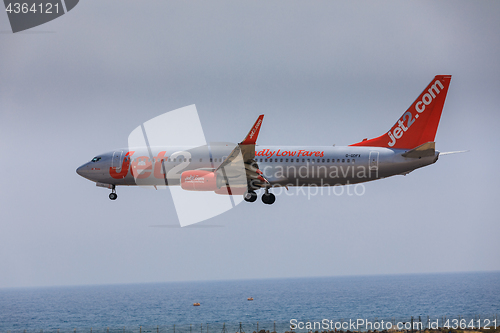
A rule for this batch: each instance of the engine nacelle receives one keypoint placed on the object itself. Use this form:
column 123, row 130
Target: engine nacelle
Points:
column 200, row 180
column 233, row 190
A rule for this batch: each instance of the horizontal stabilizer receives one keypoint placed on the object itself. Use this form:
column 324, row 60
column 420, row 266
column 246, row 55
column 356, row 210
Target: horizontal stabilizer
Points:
column 454, row 152
column 424, row 150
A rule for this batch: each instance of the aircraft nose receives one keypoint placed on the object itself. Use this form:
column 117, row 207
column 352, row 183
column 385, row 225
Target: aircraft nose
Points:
column 82, row 170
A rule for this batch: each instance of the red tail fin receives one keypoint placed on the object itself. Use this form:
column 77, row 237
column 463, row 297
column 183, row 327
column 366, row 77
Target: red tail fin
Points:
column 419, row 123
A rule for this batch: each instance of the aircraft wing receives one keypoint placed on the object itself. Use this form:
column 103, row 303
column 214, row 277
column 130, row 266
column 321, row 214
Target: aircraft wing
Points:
column 244, row 153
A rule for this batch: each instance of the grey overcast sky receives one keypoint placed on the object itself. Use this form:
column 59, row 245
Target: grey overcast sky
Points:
column 323, row 73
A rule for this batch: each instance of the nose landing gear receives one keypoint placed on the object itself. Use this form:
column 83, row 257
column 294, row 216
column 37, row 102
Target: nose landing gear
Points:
column 113, row 194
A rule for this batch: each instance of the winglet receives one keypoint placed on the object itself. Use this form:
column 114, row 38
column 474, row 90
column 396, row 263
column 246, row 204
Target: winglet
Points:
column 251, row 137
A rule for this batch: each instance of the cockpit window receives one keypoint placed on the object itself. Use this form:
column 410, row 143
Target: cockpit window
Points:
column 95, row 159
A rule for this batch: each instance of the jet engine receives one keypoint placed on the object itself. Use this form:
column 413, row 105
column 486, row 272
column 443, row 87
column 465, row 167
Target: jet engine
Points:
column 201, row 180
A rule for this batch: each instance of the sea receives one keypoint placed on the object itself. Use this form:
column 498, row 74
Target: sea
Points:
column 224, row 305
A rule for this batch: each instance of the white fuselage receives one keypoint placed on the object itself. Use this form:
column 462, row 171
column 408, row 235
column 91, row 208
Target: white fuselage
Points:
column 281, row 165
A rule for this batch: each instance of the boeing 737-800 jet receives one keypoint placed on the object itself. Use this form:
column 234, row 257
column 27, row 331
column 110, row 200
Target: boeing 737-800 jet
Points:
column 244, row 168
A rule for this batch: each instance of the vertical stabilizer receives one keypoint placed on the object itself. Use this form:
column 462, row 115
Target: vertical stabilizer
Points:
column 419, row 123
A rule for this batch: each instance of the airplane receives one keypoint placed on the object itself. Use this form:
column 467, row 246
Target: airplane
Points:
column 244, row 168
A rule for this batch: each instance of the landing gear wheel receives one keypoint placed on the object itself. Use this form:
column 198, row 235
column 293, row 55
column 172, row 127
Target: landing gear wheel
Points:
column 268, row 198
column 250, row 196
column 113, row 195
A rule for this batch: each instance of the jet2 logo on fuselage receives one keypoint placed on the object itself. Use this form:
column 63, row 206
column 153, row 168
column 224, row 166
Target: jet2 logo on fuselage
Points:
column 398, row 131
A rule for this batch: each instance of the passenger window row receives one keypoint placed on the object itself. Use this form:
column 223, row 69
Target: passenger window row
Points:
column 270, row 160
column 177, row 159
column 308, row 160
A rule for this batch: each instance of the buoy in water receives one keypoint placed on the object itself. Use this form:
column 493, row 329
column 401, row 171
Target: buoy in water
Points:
column 196, row 304
column 250, row 298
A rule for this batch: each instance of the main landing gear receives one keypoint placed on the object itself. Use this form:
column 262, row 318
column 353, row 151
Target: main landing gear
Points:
column 113, row 194
column 267, row 198
column 250, row 196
